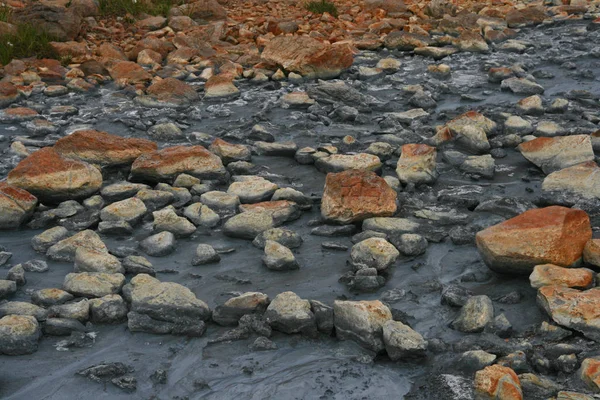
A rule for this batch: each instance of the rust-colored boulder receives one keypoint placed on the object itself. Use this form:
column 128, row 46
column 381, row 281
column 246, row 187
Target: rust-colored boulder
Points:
column 573, row 309
column 497, row 382
column 220, row 86
column 102, row 148
column 53, row 178
column 166, row 164
column 555, row 153
column 169, row 92
column 8, row 93
column 355, row 195
column 551, row 235
column 589, row 373
column 16, row 205
column 129, row 73
column 308, row 57
column 532, row 15
column 550, row 275
column 417, row 164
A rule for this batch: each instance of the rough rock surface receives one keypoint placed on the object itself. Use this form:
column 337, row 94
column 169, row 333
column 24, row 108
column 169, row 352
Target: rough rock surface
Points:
column 16, row 206
column 553, row 154
column 361, row 321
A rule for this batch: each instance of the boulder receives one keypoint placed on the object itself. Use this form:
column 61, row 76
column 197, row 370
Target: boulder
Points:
column 93, row 260
column 167, row 220
column 307, row 56
column 169, row 92
column 205, row 254
column 402, row 342
column 110, row 309
column 521, row 86
column 248, row 225
column 497, row 382
column 589, row 373
column 552, row 235
column 344, row 162
column 19, row 335
column 555, row 153
column 102, row 148
column 252, row 189
column 278, row 257
column 550, row 275
column 288, row 313
column 16, row 206
column 591, row 252
column 93, row 284
column 57, row 21
column 281, row 211
column 235, row 308
column 469, row 130
column 220, row 86
column 23, row 308
column 572, row 184
column 355, row 195
column 129, row 73
column 417, row 164
column 8, row 93
column 286, row 237
column 361, row 321
column 65, row 249
column 375, row 253
column 53, row 178
column 230, row 152
column 477, row 312
column 159, row 245
column 207, row 10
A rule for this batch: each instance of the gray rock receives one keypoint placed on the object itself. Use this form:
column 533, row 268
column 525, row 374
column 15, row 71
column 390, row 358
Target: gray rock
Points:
column 35, row 266
column 401, row 341
column 201, row 215
column 79, row 310
column 475, row 360
column 304, row 202
column 484, row 166
column 117, row 228
column 223, row 203
column 248, row 225
column 7, row 288
column 165, row 132
column 17, row 274
column 137, row 322
column 252, row 189
column 205, row 254
column 278, row 257
column 62, row 326
column 361, row 321
column 288, row 313
column 19, row 335
column 121, row 191
column 138, row 265
column 23, row 308
column 110, row 309
column 42, row 242
column 155, row 199
column 50, row 297
column 167, row 220
column 455, row 295
column 375, row 253
column 262, row 343
column 235, row 308
column 159, row 245
column 411, row 244
column 65, row 249
column 477, row 312
column 129, row 210
column 87, row 260
column 93, row 284
column 285, row 237
column 521, row 86
column 181, row 196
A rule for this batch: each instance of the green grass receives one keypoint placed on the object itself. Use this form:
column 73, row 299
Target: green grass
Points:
column 27, row 42
column 119, row 8
column 320, row 7
column 4, row 12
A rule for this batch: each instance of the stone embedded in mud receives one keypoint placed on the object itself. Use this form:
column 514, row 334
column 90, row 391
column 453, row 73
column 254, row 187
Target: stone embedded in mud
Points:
column 17, row 114
column 531, row 105
column 50, row 297
column 390, row 226
column 532, row 15
column 552, row 235
column 288, row 313
column 205, row 254
column 93, row 260
column 230, row 152
column 220, row 86
column 102, row 148
column 375, row 253
column 93, row 284
column 235, row 308
column 129, row 210
column 16, row 206
column 553, row 154
column 23, row 308
column 8, row 94
column 344, row 162
column 417, row 164
column 286, row 237
column 477, row 312
column 549, row 275
column 166, row 164
column 248, row 225
column 308, row 57
column 355, row 195
column 53, row 178
column 7, row 288
column 79, row 310
column 109, row 309
column 281, row 211
column 252, row 189
column 469, row 130
column 437, row 53
column 129, row 73
column 572, row 308
column 497, row 382
column 65, row 249
column 401, row 341
column 405, row 41
column 277, row 257
column 159, row 245
column 361, row 321
column 19, row 335
column 589, row 373
column 521, row 86
column 168, row 220
column 567, row 395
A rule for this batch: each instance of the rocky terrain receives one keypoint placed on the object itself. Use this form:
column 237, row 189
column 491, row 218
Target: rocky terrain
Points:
column 252, row 200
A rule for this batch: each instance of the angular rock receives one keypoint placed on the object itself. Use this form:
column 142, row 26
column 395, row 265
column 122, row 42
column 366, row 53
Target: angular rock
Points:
column 278, row 257
column 16, row 206
column 248, row 225
column 361, row 321
column 169, row 92
column 159, row 245
column 205, row 254
column 498, row 382
column 19, row 335
column 417, row 164
column 549, row 275
column 553, row 154
column 477, row 312
column 402, row 342
column 65, row 249
column 344, row 162
column 252, row 189
column 288, row 313
column 375, row 253
column 285, row 237
column 110, row 309
column 93, row 284
column 235, row 308
column 129, row 210
column 167, row 220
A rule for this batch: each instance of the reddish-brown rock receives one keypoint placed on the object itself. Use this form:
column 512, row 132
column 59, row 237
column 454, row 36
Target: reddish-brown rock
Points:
column 308, row 57
column 16, row 205
column 8, row 93
column 102, row 148
column 219, row 86
column 53, row 178
column 551, row 235
column 550, row 275
column 355, row 195
column 166, row 164
column 498, row 382
column 280, row 210
column 127, row 72
column 170, row 92
column 417, row 164
column 589, row 373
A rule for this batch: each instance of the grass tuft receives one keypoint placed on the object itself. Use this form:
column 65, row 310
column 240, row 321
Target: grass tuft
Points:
column 120, row 8
column 322, row 6
column 28, row 41
column 5, row 11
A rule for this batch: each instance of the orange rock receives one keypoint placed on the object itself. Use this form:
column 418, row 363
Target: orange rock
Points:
column 16, row 205
column 591, row 252
column 498, row 382
column 355, row 195
column 571, row 308
column 551, row 235
column 53, row 178
column 417, row 164
column 102, row 148
column 172, row 92
column 549, row 275
column 280, row 210
column 590, row 373
column 8, row 93
column 129, row 73
column 219, row 86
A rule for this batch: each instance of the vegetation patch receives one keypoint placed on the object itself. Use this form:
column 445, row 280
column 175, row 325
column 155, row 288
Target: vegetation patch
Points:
column 4, row 12
column 120, row 8
column 320, row 7
column 28, row 41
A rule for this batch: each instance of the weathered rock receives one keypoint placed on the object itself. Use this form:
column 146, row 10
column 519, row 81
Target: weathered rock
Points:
column 589, row 373
column 155, row 199
column 549, row 275
column 138, row 265
column 202, row 215
column 220, row 86
column 278, row 257
column 285, row 237
column 52, row 178
column 344, row 162
column 101, row 148
column 521, row 86
column 93, row 284
column 552, row 235
column 497, row 382
column 401, row 341
column 16, row 206
column 307, row 56
column 166, row 164
column 572, row 308
column 253, row 189
column 289, row 313
column 7, row 288
column 207, row 10
column 355, row 195
column 19, row 335
column 235, row 308
column 405, row 41
column 248, row 225
column 79, row 310
column 92, row 260
column 23, row 308
column 469, row 130
column 361, row 321
column 475, row 360
column 129, row 73
column 8, row 94
column 205, row 254
column 159, row 245
column 375, row 253
column 281, row 211
column 230, row 152
column 477, row 312
column 109, row 309
column 65, row 249
column 50, row 297
column 553, row 154
column 129, row 210
column 57, row 21
column 417, row 164
column 167, row 220
column 62, row 326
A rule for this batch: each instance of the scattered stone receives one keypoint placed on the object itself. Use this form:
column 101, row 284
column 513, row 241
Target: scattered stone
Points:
column 93, row 284
column 498, row 382
column 159, row 245
column 235, row 308
column 417, row 164
column 477, row 312
column 374, row 253
column 19, row 335
column 205, row 254
column 361, row 321
column 549, row 275
column 278, row 257
column 288, row 313
column 248, row 225
column 402, row 342
column 553, row 154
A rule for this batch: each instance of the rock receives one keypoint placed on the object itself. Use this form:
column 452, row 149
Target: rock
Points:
column 417, row 164
column 589, row 373
column 406, row 117
column 208, row 10
column 159, row 245
column 79, row 310
column 477, row 312
column 19, row 335
column 572, row 308
column 390, row 226
column 248, row 225
column 101, row 148
column 527, row 16
column 201, row 215
column 549, row 275
column 17, row 274
column 52, row 178
column 138, row 265
column 121, row 190
column 91, row 260
column 8, row 94
column 205, row 254
column 7, row 288
column 288, row 313
column 552, row 235
column 165, row 132
column 57, row 21
column 235, row 308
column 285, row 237
column 521, row 86
column 531, row 105
column 565, row 395
column 278, row 257
column 344, row 162
column 167, row 220
column 252, row 190
column 553, row 154
column 262, row 343
column 155, row 199
column 223, row 203
column 220, row 86
column 304, row 202
column 166, row 164
column 355, row 195
column 62, row 326
column 497, row 382
column 130, row 210
column 93, row 284
column 411, row 244
column 307, row 56
column 324, row 316
column 281, row 211
column 375, row 253
column 65, row 249
column 279, row 149
column 402, row 342
column 16, row 206
column 129, row 73
column 105, row 371
column 23, row 308
column 437, row 53
column 361, row 321
column 475, row 360
column 230, row 152
column 469, row 130
column 109, row 309
column 455, row 295
column 405, row 41
column 50, row 297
